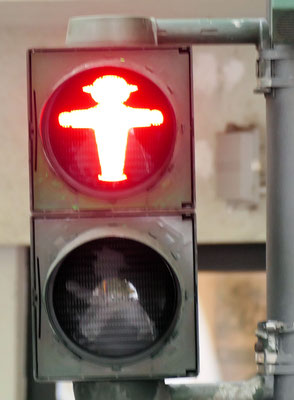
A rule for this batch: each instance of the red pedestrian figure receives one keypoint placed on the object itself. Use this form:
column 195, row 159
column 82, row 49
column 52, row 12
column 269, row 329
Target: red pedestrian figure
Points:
column 111, row 121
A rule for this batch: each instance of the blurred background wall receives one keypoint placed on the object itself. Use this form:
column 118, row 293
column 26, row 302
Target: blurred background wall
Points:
column 13, row 318
column 224, row 80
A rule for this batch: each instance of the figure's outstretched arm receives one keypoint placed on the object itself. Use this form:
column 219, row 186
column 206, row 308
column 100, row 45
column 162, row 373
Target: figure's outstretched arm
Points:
column 80, row 119
column 142, row 117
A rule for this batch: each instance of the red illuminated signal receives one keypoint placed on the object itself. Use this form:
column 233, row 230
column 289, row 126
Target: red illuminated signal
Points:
column 111, row 121
column 108, row 131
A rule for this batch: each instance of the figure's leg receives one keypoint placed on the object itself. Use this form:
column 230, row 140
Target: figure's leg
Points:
column 112, row 153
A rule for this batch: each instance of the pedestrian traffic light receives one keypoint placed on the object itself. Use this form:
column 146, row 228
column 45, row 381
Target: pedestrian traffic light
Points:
column 113, row 213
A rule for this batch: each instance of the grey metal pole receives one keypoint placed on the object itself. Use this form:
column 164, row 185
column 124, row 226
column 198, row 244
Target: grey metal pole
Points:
column 128, row 31
column 212, row 31
column 280, row 210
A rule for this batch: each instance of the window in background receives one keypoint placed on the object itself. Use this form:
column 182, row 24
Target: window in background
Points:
column 233, row 303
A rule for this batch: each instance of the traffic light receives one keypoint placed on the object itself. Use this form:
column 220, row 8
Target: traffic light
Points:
column 113, row 213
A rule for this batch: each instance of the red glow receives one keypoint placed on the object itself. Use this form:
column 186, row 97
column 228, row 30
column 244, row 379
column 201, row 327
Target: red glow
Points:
column 111, row 121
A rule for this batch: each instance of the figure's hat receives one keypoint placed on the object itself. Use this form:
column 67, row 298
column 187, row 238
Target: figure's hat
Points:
column 110, row 83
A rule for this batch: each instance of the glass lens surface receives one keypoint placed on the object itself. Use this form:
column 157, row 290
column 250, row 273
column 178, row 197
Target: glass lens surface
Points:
column 108, row 129
column 114, row 297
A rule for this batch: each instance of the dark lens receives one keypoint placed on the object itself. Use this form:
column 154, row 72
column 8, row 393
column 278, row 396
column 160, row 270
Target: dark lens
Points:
column 114, row 297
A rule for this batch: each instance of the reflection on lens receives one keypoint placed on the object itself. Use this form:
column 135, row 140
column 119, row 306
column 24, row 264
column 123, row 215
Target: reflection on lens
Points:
column 113, row 305
column 114, row 297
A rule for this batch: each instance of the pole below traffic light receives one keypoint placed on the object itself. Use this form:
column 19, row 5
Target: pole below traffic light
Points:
column 257, row 388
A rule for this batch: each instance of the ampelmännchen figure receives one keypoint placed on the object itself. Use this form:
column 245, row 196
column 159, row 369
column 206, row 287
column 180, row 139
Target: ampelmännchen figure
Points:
column 111, row 121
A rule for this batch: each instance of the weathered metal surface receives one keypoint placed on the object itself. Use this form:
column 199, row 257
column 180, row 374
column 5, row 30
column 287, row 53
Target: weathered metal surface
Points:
column 213, row 31
column 282, row 17
column 118, row 30
column 280, row 216
column 138, row 390
column 270, row 357
column 257, row 388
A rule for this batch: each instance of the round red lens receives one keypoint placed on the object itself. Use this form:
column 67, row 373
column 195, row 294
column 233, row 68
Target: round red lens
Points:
column 107, row 130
